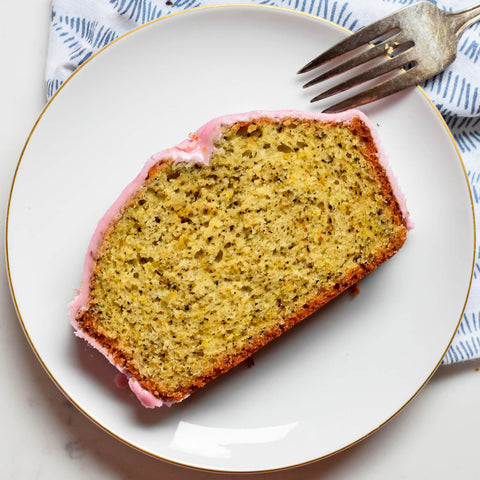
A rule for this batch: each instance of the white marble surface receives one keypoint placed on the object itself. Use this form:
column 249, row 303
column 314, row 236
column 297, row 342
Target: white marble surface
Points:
column 44, row 437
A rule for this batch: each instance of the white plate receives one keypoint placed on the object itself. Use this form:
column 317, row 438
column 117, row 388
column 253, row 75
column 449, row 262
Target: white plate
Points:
column 332, row 380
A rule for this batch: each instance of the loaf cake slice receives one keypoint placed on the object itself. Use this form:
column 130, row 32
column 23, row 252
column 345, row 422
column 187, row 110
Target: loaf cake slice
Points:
column 226, row 241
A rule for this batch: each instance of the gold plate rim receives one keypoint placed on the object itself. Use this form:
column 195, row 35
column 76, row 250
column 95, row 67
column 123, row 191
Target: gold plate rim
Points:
column 126, row 442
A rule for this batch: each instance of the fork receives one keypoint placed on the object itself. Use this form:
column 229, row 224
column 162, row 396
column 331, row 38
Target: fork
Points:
column 413, row 44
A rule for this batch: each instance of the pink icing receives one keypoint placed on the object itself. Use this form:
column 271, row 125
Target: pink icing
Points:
column 121, row 380
column 124, row 378
column 198, row 148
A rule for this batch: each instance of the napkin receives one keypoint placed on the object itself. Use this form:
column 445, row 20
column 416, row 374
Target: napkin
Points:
column 79, row 28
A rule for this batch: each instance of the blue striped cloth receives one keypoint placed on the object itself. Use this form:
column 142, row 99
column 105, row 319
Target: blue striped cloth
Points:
column 79, row 28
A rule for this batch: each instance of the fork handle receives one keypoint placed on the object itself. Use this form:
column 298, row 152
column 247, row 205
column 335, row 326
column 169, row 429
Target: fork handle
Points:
column 465, row 19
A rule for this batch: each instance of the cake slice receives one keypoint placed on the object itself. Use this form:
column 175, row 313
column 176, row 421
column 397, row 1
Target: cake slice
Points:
column 227, row 240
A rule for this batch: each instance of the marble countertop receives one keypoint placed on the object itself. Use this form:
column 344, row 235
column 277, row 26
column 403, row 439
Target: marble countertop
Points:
column 45, row 437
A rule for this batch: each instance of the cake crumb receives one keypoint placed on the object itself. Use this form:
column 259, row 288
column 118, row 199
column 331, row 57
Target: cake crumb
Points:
column 355, row 289
column 248, row 362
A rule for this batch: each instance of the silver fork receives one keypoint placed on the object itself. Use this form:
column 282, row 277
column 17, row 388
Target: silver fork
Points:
column 416, row 43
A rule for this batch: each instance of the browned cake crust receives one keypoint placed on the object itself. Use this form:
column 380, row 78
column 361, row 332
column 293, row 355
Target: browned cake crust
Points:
column 87, row 318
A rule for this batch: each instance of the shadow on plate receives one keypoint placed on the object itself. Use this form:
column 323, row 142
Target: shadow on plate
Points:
column 226, row 386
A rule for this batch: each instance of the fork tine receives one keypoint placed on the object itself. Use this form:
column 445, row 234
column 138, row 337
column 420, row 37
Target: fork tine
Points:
column 386, row 67
column 364, row 57
column 382, row 90
column 362, row 37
